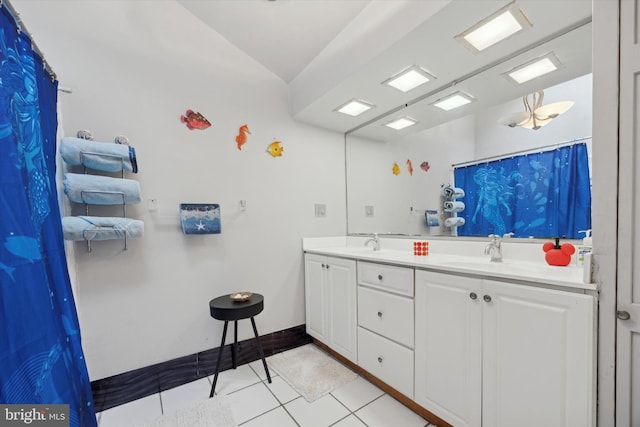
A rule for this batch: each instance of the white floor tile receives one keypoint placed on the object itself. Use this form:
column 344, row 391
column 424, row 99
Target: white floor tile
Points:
column 357, row 393
column 235, row 379
column 185, row 395
column 256, row 365
column 252, row 401
column 386, row 411
column 137, row 411
column 350, row 421
column 320, row 413
column 283, row 391
column 276, row 418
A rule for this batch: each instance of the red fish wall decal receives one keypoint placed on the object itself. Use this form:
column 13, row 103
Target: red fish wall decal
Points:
column 195, row 120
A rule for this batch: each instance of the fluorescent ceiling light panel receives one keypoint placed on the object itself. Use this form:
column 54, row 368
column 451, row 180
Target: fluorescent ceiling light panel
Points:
column 533, row 69
column 455, row 100
column 409, row 79
column 504, row 23
column 355, row 107
column 401, row 123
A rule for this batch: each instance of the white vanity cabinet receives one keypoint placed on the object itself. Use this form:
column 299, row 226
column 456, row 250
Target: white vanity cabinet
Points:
column 386, row 324
column 495, row 354
column 330, row 302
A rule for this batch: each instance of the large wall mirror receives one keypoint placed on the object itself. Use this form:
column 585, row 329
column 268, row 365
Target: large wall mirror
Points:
column 395, row 176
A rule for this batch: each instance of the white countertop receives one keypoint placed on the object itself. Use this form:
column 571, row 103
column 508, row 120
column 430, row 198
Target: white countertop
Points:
column 398, row 253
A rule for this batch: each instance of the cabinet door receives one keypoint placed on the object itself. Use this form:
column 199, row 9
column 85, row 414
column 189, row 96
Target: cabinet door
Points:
column 448, row 347
column 341, row 309
column 538, row 357
column 315, row 296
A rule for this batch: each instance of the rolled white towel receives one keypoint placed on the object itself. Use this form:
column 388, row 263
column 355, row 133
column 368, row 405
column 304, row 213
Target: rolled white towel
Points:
column 101, row 228
column 101, row 190
column 455, row 221
column 453, row 206
column 452, row 192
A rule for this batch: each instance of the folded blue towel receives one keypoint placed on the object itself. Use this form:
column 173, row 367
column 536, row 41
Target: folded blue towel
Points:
column 101, row 190
column 104, row 156
column 100, row 228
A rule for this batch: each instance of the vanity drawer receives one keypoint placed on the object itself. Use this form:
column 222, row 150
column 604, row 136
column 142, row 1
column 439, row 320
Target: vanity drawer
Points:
column 387, row 277
column 390, row 362
column 386, row 314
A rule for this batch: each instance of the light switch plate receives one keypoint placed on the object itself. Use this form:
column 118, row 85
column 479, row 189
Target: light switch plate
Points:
column 368, row 211
column 321, row 210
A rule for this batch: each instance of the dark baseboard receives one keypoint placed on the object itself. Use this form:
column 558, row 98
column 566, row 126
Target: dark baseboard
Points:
column 132, row 385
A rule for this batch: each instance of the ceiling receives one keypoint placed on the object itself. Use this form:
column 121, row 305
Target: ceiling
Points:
column 331, row 51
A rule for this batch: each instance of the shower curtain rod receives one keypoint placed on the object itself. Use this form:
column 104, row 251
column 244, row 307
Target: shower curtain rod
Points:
column 23, row 28
column 515, row 153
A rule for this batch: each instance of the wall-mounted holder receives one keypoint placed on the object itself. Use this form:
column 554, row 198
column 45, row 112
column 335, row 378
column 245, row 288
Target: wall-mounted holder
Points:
column 200, row 218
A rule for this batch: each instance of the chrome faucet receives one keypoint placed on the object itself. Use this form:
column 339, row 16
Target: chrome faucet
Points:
column 375, row 241
column 493, row 248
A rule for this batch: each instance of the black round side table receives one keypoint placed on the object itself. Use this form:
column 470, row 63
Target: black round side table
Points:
column 224, row 308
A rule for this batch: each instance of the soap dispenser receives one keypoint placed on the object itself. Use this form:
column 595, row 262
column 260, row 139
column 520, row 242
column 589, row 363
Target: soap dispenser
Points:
column 585, row 248
column 558, row 254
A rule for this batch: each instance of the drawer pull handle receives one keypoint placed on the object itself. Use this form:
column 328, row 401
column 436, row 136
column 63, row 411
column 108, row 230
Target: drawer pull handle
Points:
column 380, row 277
column 487, row 298
column 473, row 295
column 379, row 359
column 380, row 314
column 623, row 315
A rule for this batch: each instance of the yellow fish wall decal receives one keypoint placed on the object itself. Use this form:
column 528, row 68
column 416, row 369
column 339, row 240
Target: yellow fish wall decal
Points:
column 275, row 149
column 395, row 169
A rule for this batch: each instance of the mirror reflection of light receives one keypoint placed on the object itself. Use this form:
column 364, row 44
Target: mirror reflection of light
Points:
column 535, row 69
column 455, row 100
column 401, row 123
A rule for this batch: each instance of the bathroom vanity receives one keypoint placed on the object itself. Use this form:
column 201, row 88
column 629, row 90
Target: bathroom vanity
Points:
column 473, row 342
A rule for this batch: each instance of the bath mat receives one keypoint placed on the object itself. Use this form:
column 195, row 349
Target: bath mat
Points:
column 311, row 371
column 214, row 412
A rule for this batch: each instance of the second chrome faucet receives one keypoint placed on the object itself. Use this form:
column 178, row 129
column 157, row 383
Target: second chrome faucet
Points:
column 494, row 248
column 375, row 241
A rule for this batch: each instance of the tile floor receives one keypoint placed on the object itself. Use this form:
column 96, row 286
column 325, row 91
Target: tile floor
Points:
column 356, row 404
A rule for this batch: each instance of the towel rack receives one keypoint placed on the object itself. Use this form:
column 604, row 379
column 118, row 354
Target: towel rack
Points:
column 102, row 228
column 83, row 154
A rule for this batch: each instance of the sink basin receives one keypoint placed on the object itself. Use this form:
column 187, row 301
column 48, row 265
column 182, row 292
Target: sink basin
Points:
column 486, row 265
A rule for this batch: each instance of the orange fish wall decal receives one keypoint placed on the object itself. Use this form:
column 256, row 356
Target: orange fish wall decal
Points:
column 195, row 120
column 275, row 149
column 242, row 136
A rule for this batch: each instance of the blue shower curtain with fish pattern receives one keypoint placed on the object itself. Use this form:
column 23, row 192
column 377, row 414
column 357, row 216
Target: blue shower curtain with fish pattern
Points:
column 545, row 194
column 41, row 358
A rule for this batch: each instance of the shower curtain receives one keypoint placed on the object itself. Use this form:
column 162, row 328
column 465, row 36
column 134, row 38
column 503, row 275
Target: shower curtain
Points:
column 545, row 195
column 41, row 358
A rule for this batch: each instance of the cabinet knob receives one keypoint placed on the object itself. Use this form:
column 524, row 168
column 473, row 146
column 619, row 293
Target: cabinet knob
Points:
column 473, row 295
column 623, row 315
column 379, row 359
column 380, row 277
column 487, row 298
column 323, row 266
column 380, row 314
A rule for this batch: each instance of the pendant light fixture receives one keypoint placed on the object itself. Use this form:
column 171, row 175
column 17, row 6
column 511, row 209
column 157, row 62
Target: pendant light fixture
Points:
column 536, row 115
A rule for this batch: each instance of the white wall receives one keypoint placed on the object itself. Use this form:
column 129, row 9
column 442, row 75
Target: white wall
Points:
column 135, row 67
